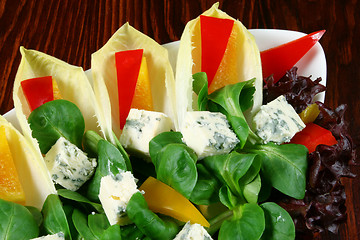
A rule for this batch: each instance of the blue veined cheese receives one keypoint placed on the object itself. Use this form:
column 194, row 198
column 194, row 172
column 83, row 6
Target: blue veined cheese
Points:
column 193, row 232
column 56, row 236
column 115, row 193
column 277, row 121
column 68, row 165
column 208, row 133
column 141, row 126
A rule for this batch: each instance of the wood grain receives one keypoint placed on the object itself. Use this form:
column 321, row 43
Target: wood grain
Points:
column 72, row 30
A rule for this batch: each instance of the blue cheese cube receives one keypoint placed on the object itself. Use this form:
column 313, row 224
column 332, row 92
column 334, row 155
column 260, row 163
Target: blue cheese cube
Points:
column 56, row 236
column 142, row 126
column 208, row 133
column 277, row 121
column 115, row 193
column 193, row 232
column 68, row 165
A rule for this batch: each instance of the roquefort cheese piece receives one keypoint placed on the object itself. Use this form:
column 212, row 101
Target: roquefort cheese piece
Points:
column 193, row 232
column 115, row 193
column 56, row 236
column 68, row 165
column 208, row 133
column 277, row 121
column 141, row 126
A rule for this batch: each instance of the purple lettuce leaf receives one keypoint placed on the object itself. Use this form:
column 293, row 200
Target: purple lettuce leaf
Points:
column 323, row 207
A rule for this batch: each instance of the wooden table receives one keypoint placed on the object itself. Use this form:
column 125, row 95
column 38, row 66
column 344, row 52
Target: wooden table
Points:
column 72, row 30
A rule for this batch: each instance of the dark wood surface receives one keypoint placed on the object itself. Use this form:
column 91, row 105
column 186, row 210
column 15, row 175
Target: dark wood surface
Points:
column 73, row 29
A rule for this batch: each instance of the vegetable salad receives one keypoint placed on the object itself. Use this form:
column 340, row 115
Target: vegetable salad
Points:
column 136, row 151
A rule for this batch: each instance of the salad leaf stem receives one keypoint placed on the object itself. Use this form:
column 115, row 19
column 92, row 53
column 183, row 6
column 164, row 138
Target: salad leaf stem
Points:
column 123, row 153
column 90, row 142
column 200, row 87
column 215, row 223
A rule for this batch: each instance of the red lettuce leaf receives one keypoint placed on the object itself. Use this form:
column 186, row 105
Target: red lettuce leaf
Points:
column 299, row 91
column 323, row 207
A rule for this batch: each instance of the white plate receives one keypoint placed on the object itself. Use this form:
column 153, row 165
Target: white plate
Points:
column 312, row 64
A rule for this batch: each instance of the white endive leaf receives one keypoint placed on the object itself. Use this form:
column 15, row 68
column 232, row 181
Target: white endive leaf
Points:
column 33, row 174
column 105, row 79
column 247, row 66
column 71, row 80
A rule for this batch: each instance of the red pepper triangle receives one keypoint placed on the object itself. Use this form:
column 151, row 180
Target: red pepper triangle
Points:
column 215, row 33
column 282, row 58
column 38, row 91
column 127, row 70
column 312, row 136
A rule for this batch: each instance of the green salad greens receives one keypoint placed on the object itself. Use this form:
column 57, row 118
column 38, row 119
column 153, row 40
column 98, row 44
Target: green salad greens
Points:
column 237, row 185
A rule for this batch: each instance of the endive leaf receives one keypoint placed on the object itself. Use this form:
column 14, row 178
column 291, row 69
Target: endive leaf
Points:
column 105, row 78
column 32, row 171
column 246, row 66
column 72, row 83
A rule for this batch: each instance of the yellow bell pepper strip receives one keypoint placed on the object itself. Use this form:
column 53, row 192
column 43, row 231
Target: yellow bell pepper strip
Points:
column 310, row 113
column 165, row 200
column 56, row 90
column 282, row 58
column 312, row 136
column 10, row 186
column 143, row 96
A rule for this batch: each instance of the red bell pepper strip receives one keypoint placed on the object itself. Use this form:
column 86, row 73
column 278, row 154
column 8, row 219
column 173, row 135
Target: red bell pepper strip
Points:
column 282, row 58
column 215, row 33
column 38, row 91
column 313, row 135
column 127, row 69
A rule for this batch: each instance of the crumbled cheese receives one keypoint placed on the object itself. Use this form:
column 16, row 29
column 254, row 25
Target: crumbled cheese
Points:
column 115, row 193
column 277, row 121
column 193, row 232
column 142, row 126
column 68, row 165
column 208, row 133
column 56, row 236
